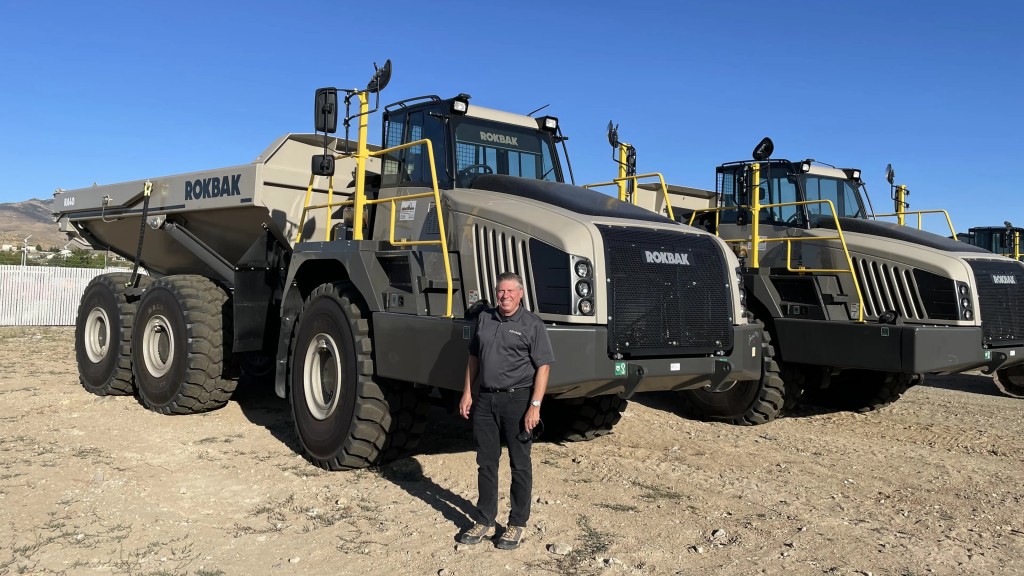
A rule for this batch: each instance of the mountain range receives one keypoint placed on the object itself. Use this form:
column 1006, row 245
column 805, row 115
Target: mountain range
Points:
column 20, row 220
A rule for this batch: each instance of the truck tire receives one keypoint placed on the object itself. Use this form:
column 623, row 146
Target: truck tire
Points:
column 1012, row 378
column 580, row 419
column 179, row 353
column 865, row 390
column 344, row 418
column 103, row 331
column 408, row 406
column 748, row 402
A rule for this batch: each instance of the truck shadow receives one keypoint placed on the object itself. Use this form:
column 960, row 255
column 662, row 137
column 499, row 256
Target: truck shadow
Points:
column 972, row 382
column 670, row 402
column 261, row 406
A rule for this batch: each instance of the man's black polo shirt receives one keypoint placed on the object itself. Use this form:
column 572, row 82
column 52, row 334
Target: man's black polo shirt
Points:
column 510, row 349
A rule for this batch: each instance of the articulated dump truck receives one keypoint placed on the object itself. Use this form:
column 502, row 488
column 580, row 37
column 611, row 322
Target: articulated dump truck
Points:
column 857, row 310
column 350, row 274
column 1002, row 240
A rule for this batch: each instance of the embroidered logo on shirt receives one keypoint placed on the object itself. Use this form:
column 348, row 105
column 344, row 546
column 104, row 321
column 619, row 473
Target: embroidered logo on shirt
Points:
column 514, row 332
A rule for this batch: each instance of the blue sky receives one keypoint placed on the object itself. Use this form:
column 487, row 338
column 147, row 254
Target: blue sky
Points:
column 112, row 91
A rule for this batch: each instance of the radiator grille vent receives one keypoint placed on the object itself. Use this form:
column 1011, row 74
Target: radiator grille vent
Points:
column 498, row 252
column 886, row 286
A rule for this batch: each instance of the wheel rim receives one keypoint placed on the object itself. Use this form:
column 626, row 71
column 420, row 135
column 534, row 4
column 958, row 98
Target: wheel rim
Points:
column 158, row 346
column 97, row 335
column 321, row 376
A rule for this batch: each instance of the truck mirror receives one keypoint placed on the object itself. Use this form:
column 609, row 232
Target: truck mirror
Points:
column 381, row 77
column 764, row 149
column 326, row 113
column 323, row 165
column 889, row 174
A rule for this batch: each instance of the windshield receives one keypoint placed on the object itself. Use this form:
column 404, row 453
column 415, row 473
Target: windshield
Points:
column 998, row 240
column 483, row 147
column 780, row 184
column 842, row 193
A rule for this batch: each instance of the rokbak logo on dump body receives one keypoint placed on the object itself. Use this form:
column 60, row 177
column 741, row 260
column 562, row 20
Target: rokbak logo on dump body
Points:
column 213, row 187
column 667, row 258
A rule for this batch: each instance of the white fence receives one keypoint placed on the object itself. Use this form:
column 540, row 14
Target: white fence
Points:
column 43, row 295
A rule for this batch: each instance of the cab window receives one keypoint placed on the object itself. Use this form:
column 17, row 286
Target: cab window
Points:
column 411, row 166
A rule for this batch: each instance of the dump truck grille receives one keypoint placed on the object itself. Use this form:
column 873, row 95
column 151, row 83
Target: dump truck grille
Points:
column 668, row 293
column 1001, row 298
column 886, row 286
column 912, row 293
column 498, row 252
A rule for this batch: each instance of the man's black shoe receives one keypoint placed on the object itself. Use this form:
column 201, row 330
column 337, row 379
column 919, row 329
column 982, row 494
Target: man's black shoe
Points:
column 476, row 534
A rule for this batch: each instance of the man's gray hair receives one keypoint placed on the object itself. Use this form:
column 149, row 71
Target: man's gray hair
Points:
column 506, row 276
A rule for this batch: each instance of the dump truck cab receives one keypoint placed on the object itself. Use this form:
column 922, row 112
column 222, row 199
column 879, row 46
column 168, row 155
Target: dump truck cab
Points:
column 1002, row 240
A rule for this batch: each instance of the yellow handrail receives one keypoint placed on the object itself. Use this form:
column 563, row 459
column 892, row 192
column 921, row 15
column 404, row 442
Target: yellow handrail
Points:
column 435, row 193
column 636, row 179
column 789, row 242
column 919, row 213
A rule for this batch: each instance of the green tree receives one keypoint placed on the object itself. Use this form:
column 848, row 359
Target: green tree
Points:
column 83, row 259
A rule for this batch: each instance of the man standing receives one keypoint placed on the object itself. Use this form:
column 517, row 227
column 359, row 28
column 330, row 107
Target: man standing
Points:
column 506, row 377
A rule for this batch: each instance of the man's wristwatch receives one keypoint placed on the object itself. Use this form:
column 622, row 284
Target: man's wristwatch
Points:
column 535, row 403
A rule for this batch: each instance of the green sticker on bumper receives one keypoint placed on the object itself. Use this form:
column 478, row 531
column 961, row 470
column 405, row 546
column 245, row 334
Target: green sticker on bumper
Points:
column 620, row 368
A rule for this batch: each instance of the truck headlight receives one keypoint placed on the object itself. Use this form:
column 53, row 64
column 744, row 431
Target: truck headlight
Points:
column 583, row 269
column 964, row 291
column 581, row 278
column 586, row 307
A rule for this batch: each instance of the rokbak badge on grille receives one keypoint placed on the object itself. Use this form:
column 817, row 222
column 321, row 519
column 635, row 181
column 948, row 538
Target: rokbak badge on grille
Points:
column 667, row 258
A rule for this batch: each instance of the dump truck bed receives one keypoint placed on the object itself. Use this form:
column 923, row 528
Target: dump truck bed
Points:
column 225, row 208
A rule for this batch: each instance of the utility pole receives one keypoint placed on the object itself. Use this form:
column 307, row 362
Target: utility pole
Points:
column 24, row 251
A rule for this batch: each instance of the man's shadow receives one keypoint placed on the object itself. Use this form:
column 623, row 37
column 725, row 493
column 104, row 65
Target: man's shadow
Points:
column 446, row 433
column 408, row 475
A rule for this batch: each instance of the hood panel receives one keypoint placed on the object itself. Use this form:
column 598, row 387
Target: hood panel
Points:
column 897, row 232
column 572, row 198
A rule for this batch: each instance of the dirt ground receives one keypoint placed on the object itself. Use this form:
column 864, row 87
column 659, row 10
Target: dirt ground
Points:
column 90, row 485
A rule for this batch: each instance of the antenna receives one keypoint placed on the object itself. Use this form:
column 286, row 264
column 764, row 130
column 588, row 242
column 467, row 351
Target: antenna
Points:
column 538, row 109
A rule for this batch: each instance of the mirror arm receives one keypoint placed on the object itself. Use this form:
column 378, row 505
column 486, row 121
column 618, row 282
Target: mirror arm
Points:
column 565, row 152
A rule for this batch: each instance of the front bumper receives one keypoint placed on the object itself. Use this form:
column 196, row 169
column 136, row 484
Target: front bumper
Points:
column 583, row 368
column 890, row 348
column 433, row 351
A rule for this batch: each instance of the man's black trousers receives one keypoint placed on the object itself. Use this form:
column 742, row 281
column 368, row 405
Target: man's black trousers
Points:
column 499, row 416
